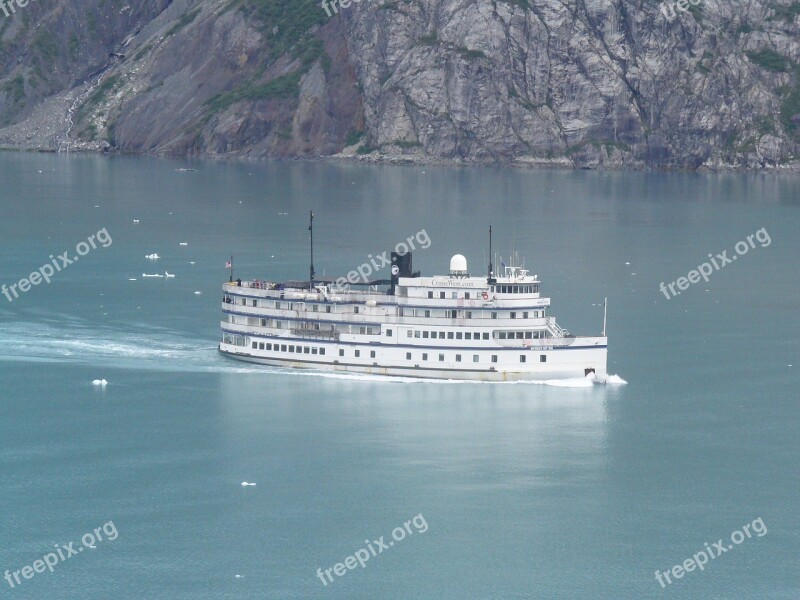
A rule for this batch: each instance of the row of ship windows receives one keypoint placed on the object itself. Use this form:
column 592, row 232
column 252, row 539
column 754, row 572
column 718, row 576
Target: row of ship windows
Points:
column 495, row 289
column 414, row 312
column 240, row 340
column 415, row 333
column 468, row 335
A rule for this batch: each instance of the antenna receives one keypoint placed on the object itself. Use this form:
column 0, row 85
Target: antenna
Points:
column 311, row 270
column 605, row 309
column 490, row 279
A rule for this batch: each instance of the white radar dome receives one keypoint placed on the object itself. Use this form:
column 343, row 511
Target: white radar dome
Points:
column 458, row 265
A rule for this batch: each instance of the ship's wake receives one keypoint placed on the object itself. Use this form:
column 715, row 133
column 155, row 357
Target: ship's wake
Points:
column 73, row 342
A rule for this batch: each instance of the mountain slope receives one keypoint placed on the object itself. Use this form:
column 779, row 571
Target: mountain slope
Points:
column 580, row 83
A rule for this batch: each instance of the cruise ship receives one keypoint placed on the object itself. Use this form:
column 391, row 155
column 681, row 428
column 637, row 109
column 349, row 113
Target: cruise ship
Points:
column 454, row 326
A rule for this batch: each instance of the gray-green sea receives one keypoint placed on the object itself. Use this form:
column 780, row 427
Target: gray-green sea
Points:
column 525, row 490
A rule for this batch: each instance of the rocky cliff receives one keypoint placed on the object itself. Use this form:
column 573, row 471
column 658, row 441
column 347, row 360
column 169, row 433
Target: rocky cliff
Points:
column 581, row 83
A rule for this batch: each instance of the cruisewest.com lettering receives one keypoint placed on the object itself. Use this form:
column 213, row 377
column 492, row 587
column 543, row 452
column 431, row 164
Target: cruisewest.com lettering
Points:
column 6, row 5
column 56, row 265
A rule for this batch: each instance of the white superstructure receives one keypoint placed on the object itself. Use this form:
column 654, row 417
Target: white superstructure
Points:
column 445, row 327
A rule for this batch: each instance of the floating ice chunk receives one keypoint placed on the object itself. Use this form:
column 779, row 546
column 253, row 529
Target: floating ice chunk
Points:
column 136, row 221
column 238, row 576
column 191, row 262
column 153, row 275
column 101, row 382
column 247, row 484
column 197, row 293
column 153, row 256
column 168, row 275
column 183, row 244
column 131, row 278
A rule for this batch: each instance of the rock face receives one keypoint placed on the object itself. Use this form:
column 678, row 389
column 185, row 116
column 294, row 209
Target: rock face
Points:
column 585, row 83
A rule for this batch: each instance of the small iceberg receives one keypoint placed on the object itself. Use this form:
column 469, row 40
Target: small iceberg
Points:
column 153, row 275
column 183, row 244
column 101, row 382
column 136, row 221
column 247, row 484
column 153, row 256
column 197, row 293
column 168, row 275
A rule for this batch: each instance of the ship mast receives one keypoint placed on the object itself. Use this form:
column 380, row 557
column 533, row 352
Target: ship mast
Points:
column 490, row 278
column 311, row 269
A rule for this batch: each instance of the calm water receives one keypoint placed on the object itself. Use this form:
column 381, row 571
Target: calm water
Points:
column 527, row 491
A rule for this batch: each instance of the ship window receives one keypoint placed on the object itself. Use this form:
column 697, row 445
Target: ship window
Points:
column 543, row 358
column 269, row 346
column 291, row 348
column 313, row 351
column 260, row 345
column 400, row 311
column 263, row 322
column 458, row 358
column 458, row 335
column 525, row 315
column 453, row 314
column 315, row 307
column 341, row 352
column 306, row 350
column 424, row 334
column 283, row 347
column 520, row 335
column 355, row 310
column 467, row 335
column 430, row 294
column 486, row 336
column 468, row 314
column 279, row 324
column 388, row 333
column 528, row 335
column 255, row 345
column 441, row 335
column 449, row 335
column 416, row 333
column 494, row 315
column 501, row 335
column 466, row 295
column 362, row 330
column 358, row 353
column 513, row 315
column 253, row 302
column 372, row 353
column 408, row 355
column 474, row 358
column 441, row 358
column 494, row 358
column 427, row 313
column 327, row 309
column 522, row 358
column 454, row 295
column 441, row 295
column 277, row 304
column 322, row 350
column 409, row 333
column 424, row 356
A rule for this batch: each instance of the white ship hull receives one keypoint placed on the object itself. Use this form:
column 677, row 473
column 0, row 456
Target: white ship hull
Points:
column 572, row 366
